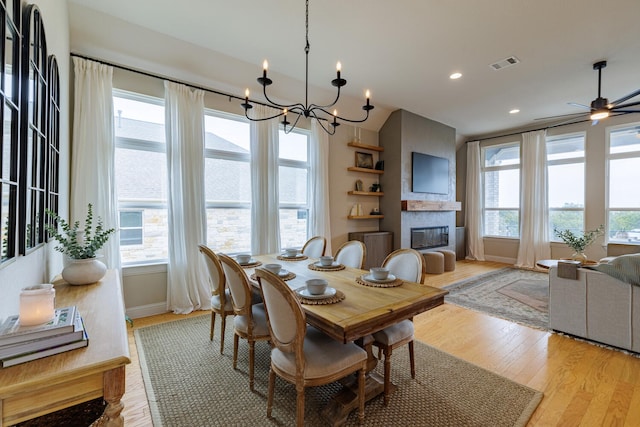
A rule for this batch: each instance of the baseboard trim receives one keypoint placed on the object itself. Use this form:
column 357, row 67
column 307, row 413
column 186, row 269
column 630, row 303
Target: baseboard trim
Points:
column 146, row 310
column 504, row 260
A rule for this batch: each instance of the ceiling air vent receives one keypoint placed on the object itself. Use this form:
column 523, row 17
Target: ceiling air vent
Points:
column 504, row 63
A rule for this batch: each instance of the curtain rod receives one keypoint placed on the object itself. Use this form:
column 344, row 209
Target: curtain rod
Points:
column 158, row 76
column 535, row 130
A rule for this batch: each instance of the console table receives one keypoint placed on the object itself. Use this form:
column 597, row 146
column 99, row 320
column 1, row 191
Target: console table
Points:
column 42, row 386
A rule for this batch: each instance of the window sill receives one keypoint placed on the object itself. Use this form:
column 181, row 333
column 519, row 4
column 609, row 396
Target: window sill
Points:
column 142, row 269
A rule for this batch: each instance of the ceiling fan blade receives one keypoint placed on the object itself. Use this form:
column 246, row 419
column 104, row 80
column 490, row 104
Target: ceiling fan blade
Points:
column 631, row 104
column 624, row 98
column 560, row 116
column 575, row 104
column 626, row 111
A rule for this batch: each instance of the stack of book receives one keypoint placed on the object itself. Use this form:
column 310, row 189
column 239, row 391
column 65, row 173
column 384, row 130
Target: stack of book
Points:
column 19, row 344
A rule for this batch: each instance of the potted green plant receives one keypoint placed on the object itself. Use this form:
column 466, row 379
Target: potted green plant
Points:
column 579, row 243
column 80, row 246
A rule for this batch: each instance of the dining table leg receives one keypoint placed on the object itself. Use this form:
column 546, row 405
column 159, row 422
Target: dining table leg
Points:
column 341, row 405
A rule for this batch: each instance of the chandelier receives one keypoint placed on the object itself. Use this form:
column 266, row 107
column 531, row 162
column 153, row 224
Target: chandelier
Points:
column 318, row 112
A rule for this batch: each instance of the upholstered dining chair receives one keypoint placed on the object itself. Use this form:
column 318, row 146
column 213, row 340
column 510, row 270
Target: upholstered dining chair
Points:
column 302, row 355
column 314, row 247
column 220, row 296
column 352, row 254
column 250, row 320
column 405, row 264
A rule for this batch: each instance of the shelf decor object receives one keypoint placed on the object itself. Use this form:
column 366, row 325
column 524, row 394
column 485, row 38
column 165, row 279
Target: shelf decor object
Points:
column 327, row 120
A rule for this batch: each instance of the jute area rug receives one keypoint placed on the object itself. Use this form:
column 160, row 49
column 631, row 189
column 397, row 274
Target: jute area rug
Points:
column 189, row 383
column 518, row 295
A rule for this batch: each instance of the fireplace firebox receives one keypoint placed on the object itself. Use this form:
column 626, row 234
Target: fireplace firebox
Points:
column 429, row 237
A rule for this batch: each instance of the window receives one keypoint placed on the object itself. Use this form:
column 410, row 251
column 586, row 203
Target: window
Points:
column 141, row 178
column 501, row 180
column 227, row 182
column 624, row 174
column 565, row 164
column 10, row 118
column 293, row 187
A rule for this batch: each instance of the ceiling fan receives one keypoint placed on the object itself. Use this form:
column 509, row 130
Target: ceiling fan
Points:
column 600, row 107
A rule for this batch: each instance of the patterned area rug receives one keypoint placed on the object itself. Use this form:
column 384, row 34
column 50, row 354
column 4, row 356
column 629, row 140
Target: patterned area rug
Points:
column 189, row 383
column 521, row 296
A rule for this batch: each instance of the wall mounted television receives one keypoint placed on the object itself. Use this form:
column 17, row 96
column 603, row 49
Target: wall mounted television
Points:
column 430, row 174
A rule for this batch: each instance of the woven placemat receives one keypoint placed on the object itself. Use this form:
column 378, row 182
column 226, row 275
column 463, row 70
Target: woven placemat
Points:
column 252, row 264
column 296, row 258
column 313, row 266
column 289, row 276
column 339, row 296
column 394, row 284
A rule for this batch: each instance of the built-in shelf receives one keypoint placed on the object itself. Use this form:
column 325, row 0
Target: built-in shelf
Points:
column 365, row 217
column 366, row 193
column 366, row 170
column 430, row 205
column 365, row 146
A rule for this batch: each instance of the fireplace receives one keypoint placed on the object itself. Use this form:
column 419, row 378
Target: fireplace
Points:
column 429, row 237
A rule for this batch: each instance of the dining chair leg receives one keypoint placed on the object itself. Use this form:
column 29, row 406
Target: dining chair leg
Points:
column 361, row 395
column 272, row 383
column 213, row 324
column 251, row 362
column 412, row 361
column 300, row 405
column 223, row 324
column 236, row 339
column 387, row 374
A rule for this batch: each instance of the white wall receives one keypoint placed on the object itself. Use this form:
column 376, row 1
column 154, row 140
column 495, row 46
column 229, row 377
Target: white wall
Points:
column 40, row 265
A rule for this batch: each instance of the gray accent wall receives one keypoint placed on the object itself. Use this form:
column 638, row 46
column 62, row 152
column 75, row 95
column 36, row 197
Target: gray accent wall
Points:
column 402, row 134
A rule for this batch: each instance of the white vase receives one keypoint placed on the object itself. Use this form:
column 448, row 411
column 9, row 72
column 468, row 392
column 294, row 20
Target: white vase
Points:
column 83, row 271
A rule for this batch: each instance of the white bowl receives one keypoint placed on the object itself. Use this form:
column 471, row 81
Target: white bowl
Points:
column 274, row 268
column 243, row 258
column 291, row 252
column 316, row 286
column 326, row 260
column 379, row 273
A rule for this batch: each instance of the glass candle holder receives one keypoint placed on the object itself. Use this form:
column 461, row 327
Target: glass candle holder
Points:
column 37, row 304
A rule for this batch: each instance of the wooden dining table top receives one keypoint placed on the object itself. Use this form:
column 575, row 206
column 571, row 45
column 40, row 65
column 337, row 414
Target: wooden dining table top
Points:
column 365, row 309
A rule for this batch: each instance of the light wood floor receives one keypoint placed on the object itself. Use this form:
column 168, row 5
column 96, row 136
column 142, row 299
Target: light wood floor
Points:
column 583, row 385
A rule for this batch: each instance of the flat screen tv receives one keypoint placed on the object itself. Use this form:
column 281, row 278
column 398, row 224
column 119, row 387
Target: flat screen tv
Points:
column 430, row 174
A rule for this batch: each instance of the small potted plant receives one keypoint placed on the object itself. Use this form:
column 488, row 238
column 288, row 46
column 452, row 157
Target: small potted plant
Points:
column 80, row 246
column 579, row 243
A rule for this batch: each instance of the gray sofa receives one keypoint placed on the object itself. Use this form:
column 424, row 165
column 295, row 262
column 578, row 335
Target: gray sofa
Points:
column 595, row 306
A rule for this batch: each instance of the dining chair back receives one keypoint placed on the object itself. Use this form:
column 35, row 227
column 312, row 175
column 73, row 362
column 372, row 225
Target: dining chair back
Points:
column 250, row 322
column 314, row 247
column 352, row 254
column 302, row 355
column 406, row 264
column 220, row 296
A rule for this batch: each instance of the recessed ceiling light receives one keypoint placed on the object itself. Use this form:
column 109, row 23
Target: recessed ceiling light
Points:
column 514, row 111
column 455, row 76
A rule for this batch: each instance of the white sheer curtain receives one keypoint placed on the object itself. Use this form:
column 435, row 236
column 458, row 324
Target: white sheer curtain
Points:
column 93, row 152
column 188, row 286
column 534, row 206
column 265, row 215
column 319, row 222
column 473, row 212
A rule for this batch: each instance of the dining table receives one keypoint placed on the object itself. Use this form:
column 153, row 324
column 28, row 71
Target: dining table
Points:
column 363, row 309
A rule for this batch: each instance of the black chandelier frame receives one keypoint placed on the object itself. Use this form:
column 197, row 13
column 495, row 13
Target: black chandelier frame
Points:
column 318, row 112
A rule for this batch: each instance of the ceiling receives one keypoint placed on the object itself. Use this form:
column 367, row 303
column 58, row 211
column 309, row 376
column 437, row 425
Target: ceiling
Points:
column 402, row 50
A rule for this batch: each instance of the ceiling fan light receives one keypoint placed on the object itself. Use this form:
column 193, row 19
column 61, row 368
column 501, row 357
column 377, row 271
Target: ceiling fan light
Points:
column 599, row 114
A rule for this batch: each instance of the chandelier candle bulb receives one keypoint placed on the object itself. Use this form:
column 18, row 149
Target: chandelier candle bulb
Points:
column 37, row 304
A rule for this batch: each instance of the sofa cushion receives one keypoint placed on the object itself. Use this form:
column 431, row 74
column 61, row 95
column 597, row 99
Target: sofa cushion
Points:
column 624, row 267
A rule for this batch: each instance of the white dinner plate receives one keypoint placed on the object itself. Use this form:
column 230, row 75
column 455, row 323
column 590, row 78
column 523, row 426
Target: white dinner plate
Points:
column 284, row 255
column 304, row 292
column 333, row 264
column 369, row 278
